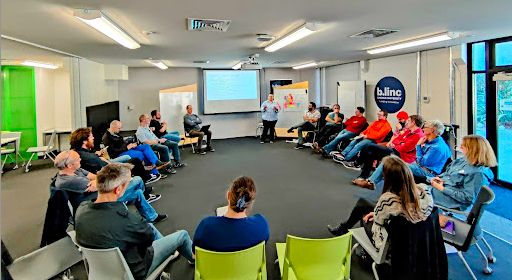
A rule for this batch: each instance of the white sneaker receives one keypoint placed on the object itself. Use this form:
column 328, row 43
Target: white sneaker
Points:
column 175, row 255
column 262, row 142
column 153, row 197
column 271, row 142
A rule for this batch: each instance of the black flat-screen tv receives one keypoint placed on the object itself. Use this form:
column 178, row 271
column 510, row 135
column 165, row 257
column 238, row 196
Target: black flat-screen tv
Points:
column 99, row 118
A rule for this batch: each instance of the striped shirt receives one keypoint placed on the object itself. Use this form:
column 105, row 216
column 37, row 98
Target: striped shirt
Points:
column 389, row 206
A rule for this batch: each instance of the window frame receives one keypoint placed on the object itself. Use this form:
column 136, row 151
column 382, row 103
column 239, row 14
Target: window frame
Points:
column 491, row 99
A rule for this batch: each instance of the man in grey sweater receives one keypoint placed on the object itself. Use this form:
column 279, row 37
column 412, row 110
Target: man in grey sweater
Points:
column 191, row 122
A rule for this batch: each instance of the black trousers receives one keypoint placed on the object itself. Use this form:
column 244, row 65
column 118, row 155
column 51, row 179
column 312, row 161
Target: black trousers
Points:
column 269, row 127
column 371, row 153
column 326, row 132
column 362, row 208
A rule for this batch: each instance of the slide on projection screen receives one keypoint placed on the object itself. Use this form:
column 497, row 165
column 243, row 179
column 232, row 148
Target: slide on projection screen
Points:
column 231, row 91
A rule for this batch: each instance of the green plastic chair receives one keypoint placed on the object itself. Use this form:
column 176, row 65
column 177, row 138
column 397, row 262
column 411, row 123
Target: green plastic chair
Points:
column 248, row 264
column 304, row 258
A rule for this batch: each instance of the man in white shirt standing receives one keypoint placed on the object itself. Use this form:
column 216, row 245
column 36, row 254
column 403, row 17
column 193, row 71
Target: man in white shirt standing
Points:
column 310, row 122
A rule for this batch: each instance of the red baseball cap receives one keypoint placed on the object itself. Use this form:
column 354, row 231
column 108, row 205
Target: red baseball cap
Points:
column 402, row 115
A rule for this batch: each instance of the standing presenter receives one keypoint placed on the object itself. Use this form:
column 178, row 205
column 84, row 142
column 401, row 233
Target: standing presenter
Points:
column 269, row 111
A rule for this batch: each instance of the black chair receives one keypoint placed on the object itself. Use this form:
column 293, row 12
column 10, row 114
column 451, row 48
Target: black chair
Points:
column 417, row 250
column 468, row 232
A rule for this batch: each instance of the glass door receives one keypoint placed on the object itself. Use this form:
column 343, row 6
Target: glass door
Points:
column 504, row 125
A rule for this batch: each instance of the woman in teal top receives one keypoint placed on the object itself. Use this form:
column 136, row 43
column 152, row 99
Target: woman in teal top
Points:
column 460, row 184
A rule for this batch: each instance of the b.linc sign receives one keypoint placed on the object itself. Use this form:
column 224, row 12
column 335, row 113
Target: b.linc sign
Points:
column 390, row 94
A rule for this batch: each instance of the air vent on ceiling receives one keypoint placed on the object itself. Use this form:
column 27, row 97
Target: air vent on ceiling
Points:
column 374, row 33
column 208, row 24
column 201, row 61
column 264, row 37
column 278, row 62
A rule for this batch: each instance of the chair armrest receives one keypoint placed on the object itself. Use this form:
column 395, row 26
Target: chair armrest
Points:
column 452, row 210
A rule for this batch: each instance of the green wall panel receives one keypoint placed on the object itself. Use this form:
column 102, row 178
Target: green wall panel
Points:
column 19, row 104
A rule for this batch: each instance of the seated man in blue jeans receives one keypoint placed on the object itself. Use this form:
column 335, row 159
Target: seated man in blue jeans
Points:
column 72, row 178
column 106, row 223
column 375, row 133
column 160, row 145
column 160, row 128
column 353, row 126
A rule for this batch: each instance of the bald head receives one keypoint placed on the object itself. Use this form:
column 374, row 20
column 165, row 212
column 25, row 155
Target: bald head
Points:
column 115, row 126
column 67, row 160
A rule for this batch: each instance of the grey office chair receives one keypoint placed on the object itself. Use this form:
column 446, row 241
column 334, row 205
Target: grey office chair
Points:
column 110, row 264
column 468, row 232
column 378, row 257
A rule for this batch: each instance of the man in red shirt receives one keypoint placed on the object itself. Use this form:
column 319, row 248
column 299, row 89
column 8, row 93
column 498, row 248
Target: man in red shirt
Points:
column 354, row 126
column 404, row 146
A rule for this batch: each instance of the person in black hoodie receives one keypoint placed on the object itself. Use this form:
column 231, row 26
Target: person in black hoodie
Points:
column 116, row 146
column 82, row 141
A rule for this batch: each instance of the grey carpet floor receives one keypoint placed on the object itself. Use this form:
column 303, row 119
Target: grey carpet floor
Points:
column 298, row 192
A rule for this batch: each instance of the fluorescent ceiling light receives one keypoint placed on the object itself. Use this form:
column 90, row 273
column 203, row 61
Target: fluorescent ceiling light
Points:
column 238, row 65
column 311, row 64
column 414, row 43
column 39, row 64
column 103, row 24
column 297, row 34
column 158, row 63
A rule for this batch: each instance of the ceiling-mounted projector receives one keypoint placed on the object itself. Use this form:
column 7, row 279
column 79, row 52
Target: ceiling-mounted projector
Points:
column 251, row 66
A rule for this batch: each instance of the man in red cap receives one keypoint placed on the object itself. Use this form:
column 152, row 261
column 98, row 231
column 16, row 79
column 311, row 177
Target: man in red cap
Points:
column 402, row 117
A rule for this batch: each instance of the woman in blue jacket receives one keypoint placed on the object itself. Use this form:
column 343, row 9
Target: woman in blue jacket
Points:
column 460, row 184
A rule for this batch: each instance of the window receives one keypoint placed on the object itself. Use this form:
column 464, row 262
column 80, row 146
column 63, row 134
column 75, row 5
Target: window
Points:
column 478, row 57
column 490, row 102
column 503, row 54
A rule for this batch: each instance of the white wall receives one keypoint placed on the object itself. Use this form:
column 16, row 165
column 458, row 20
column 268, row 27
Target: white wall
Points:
column 144, row 84
column 93, row 88
column 53, row 102
column 334, row 74
column 402, row 67
column 435, row 83
column 45, row 101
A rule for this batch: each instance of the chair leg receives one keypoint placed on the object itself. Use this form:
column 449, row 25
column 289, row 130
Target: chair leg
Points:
column 50, row 156
column 374, row 268
column 3, row 162
column 28, row 163
column 490, row 256
column 466, row 264
column 487, row 269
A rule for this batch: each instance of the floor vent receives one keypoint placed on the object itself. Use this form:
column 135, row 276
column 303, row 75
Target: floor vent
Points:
column 208, row 24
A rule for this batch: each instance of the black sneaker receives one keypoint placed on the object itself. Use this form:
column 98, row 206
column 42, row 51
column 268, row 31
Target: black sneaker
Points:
column 351, row 165
column 299, row 146
column 210, row 149
column 170, row 170
column 201, row 152
column 337, row 230
column 159, row 218
column 153, row 197
column 179, row 164
column 154, row 178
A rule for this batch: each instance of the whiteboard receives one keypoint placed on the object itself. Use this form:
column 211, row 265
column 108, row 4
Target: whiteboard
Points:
column 351, row 94
column 173, row 108
column 293, row 103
